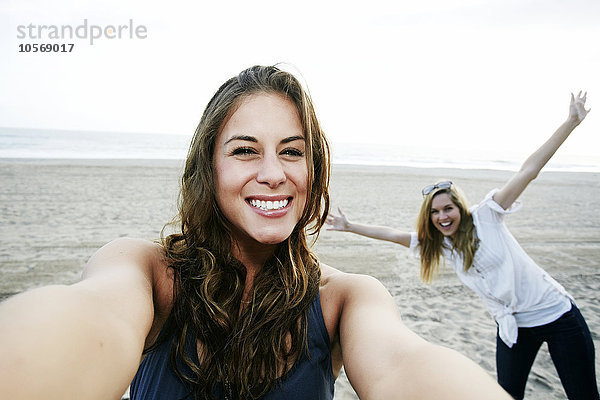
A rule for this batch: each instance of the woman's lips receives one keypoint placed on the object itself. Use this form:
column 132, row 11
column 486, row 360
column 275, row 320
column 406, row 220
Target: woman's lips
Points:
column 270, row 206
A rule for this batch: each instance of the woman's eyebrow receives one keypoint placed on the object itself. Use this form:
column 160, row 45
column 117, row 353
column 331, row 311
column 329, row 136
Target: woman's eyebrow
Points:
column 248, row 138
column 242, row 137
column 292, row 138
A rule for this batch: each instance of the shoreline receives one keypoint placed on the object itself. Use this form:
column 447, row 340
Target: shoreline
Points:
column 171, row 162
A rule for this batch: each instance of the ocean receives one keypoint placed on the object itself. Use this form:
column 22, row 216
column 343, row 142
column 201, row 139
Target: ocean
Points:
column 54, row 144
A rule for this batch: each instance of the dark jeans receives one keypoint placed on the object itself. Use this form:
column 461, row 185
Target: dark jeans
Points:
column 572, row 351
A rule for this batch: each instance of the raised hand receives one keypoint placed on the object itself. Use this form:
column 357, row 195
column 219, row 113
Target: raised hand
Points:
column 577, row 111
column 532, row 166
column 337, row 222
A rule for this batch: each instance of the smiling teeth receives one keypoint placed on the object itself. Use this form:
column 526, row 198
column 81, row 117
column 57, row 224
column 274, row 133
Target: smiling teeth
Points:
column 269, row 205
column 445, row 224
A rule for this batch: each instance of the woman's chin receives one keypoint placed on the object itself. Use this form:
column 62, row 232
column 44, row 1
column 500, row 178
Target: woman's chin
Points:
column 261, row 236
column 447, row 232
column 271, row 239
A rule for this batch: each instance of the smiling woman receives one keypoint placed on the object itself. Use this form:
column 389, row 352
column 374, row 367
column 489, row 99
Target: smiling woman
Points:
column 528, row 305
column 261, row 169
column 261, row 138
column 234, row 305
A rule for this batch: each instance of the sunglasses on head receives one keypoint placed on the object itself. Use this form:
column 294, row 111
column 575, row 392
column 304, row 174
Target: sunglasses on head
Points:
column 441, row 185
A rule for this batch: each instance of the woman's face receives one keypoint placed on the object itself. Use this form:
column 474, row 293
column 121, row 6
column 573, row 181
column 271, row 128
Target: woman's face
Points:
column 445, row 215
column 261, row 172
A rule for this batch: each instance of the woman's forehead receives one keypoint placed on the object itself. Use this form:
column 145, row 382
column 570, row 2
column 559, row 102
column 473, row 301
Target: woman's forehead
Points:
column 441, row 199
column 262, row 116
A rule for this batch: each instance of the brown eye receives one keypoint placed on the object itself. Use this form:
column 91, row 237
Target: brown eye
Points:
column 293, row 152
column 243, row 151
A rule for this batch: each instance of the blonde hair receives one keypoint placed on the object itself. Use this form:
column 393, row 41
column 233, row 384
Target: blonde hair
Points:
column 431, row 240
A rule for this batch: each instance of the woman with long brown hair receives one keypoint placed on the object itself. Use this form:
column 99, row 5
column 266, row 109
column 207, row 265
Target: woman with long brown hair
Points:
column 234, row 305
column 529, row 306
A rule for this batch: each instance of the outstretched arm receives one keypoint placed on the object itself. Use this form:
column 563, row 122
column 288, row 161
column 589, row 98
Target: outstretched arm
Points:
column 383, row 359
column 530, row 169
column 81, row 341
column 341, row 223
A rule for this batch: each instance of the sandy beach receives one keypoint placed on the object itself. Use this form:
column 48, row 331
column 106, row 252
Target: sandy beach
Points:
column 56, row 213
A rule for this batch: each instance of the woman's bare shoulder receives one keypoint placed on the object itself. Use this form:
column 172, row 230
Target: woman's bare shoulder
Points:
column 338, row 288
column 340, row 281
column 340, row 293
column 143, row 264
column 124, row 254
column 125, row 248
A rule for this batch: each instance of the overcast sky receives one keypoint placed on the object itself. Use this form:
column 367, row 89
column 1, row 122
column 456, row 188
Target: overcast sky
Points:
column 454, row 73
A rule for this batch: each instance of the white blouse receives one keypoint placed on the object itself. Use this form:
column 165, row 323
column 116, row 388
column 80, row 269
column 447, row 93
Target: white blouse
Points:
column 516, row 291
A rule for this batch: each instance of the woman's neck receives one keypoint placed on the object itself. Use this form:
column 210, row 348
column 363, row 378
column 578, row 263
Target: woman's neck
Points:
column 253, row 257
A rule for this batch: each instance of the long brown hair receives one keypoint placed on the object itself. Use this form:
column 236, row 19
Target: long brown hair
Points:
column 244, row 351
column 431, row 240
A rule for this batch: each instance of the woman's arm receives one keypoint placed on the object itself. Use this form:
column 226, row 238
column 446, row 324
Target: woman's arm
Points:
column 81, row 341
column 341, row 223
column 383, row 359
column 530, row 169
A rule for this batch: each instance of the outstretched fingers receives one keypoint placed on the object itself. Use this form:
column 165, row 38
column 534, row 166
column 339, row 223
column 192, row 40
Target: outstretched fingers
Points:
column 337, row 222
column 577, row 109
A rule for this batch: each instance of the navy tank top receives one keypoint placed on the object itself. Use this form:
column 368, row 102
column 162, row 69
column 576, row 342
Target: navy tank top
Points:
column 310, row 378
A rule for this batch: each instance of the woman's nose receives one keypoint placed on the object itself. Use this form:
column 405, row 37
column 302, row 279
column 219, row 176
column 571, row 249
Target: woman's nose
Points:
column 271, row 171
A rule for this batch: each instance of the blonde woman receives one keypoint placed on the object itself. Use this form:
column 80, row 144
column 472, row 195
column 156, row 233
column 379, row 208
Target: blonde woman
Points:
column 529, row 306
